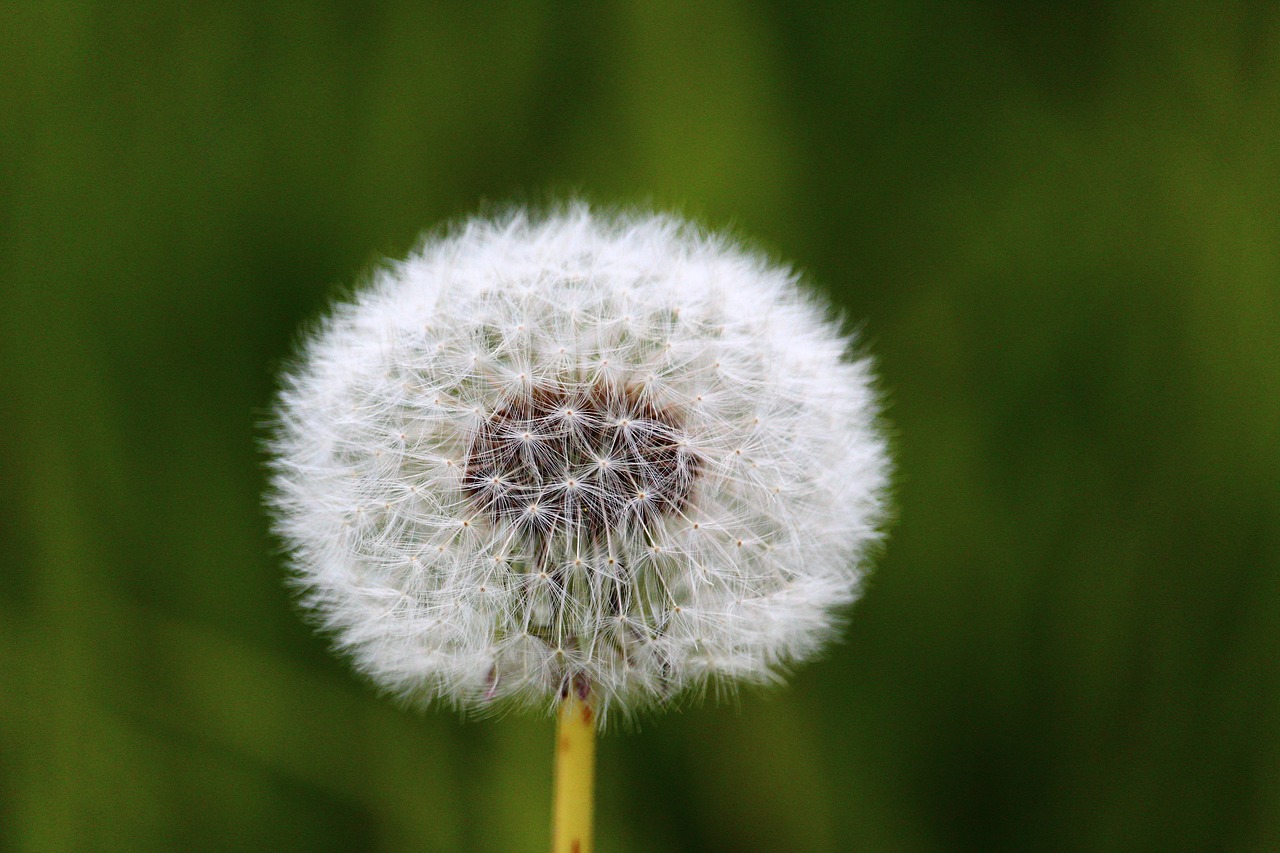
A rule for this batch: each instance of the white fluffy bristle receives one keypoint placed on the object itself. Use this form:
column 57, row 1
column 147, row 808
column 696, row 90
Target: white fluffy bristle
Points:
column 609, row 451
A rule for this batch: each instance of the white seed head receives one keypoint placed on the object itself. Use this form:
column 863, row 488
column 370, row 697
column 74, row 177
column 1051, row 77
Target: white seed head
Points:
column 616, row 452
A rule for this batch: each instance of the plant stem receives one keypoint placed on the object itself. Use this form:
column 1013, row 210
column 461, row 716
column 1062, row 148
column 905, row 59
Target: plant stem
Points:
column 575, row 772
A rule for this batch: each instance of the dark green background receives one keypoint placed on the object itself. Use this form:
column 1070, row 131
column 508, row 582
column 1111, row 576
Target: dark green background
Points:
column 1059, row 230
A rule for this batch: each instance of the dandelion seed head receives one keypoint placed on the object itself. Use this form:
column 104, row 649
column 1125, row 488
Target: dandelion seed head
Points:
column 613, row 451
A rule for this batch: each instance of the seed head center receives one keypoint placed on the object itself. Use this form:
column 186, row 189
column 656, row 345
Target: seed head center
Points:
column 579, row 462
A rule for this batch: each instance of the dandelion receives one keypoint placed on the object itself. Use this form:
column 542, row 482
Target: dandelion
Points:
column 589, row 464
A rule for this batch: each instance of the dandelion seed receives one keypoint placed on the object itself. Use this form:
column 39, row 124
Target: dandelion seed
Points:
column 584, row 472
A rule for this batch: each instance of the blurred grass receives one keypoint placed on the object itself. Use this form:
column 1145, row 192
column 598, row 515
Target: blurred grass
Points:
column 1060, row 228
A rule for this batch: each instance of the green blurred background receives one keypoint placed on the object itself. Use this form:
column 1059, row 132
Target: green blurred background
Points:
column 1059, row 229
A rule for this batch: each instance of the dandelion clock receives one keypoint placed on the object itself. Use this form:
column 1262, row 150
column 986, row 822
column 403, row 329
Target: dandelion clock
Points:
column 583, row 464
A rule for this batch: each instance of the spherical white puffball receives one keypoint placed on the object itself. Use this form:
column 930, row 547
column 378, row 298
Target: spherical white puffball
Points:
column 617, row 453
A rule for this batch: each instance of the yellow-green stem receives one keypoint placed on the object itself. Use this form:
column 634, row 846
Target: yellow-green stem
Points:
column 575, row 774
